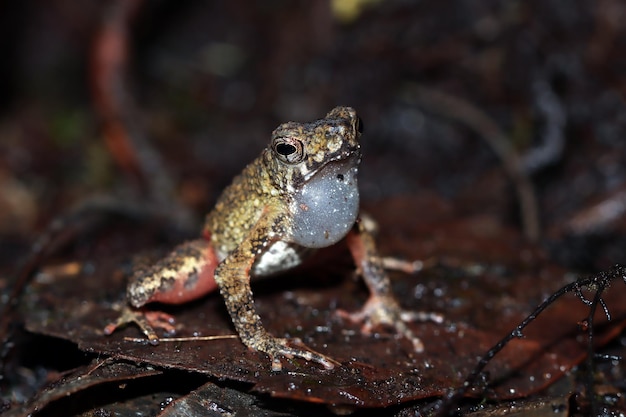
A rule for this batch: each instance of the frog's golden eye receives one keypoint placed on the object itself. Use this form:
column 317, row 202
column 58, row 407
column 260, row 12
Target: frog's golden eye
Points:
column 359, row 124
column 289, row 150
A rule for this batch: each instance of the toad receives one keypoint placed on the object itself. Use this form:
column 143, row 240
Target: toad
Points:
column 300, row 194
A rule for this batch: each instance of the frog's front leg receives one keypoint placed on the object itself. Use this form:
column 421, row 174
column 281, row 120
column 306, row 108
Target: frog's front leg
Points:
column 381, row 307
column 233, row 278
column 185, row 274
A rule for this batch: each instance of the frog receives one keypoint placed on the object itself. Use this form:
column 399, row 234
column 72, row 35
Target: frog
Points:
column 301, row 194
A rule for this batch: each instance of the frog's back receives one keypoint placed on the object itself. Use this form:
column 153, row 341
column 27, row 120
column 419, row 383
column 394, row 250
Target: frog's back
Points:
column 240, row 208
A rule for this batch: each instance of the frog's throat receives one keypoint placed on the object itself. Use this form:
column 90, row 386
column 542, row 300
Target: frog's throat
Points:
column 327, row 205
column 347, row 158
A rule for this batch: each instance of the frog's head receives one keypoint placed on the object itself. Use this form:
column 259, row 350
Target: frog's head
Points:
column 300, row 150
column 316, row 164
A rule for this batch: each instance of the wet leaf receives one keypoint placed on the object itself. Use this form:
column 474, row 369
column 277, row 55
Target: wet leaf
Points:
column 482, row 301
column 211, row 400
column 97, row 373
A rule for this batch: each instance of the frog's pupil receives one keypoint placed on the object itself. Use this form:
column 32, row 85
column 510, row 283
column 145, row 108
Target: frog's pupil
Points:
column 285, row 149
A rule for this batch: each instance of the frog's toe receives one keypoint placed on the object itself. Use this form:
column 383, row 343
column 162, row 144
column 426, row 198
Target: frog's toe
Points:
column 407, row 315
column 159, row 320
column 384, row 311
column 147, row 321
column 277, row 348
column 304, row 353
column 369, row 322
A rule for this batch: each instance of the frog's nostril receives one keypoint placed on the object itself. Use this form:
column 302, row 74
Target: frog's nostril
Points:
column 340, row 177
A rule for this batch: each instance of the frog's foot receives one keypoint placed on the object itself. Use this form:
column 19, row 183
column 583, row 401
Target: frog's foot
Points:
column 147, row 321
column 391, row 263
column 396, row 264
column 379, row 310
column 277, row 347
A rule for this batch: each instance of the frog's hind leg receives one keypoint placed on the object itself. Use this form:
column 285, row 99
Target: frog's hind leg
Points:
column 381, row 308
column 183, row 275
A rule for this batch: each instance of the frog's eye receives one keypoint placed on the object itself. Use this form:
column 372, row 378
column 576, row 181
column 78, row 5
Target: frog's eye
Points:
column 285, row 149
column 289, row 150
column 359, row 124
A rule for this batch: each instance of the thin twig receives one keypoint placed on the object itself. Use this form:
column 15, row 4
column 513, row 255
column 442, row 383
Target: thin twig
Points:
column 464, row 112
column 590, row 356
column 124, row 136
column 552, row 137
column 598, row 282
column 184, row 339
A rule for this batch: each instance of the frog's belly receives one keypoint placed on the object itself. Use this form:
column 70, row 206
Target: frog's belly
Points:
column 280, row 257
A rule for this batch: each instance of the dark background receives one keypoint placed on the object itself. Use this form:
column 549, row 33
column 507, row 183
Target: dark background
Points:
column 204, row 83
column 210, row 80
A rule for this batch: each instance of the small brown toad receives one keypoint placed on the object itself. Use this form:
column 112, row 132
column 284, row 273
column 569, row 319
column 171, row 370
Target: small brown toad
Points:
column 300, row 194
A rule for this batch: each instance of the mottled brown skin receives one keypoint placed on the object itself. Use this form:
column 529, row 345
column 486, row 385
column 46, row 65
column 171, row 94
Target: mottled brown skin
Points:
column 256, row 213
